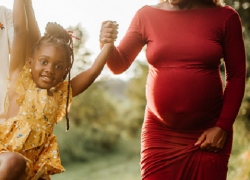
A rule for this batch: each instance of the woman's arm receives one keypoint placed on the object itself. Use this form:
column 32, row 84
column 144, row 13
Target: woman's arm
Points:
column 83, row 80
column 33, row 31
column 235, row 63
column 125, row 53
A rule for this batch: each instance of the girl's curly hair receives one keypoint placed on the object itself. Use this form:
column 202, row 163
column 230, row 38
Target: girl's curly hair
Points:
column 55, row 34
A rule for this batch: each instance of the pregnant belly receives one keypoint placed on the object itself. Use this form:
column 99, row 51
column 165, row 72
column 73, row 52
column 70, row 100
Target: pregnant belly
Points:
column 184, row 98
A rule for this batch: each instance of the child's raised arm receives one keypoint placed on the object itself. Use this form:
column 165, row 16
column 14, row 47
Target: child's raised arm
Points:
column 83, row 80
column 18, row 53
column 33, row 31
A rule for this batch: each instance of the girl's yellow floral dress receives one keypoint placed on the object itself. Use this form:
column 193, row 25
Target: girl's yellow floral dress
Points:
column 30, row 132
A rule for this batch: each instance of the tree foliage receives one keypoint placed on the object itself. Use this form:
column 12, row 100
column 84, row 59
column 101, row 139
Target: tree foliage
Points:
column 93, row 126
column 136, row 96
column 81, row 53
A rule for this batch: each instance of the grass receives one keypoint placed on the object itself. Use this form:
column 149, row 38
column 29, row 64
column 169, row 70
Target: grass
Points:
column 107, row 168
column 121, row 165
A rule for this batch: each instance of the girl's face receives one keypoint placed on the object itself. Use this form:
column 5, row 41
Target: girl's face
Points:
column 49, row 66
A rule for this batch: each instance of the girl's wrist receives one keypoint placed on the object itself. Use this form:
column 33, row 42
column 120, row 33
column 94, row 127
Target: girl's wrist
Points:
column 28, row 3
column 110, row 46
column 101, row 45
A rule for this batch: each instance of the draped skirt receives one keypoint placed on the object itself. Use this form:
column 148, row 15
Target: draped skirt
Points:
column 170, row 154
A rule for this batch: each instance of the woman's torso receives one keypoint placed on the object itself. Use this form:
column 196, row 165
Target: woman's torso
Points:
column 184, row 48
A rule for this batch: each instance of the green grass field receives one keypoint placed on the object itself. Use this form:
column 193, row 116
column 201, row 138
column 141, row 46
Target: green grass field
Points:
column 121, row 165
column 112, row 167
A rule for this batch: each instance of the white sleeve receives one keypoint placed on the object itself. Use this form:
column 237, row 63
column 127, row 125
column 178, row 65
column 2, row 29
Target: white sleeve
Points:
column 10, row 29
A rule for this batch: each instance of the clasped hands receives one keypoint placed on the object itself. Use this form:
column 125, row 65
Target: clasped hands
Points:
column 108, row 32
column 212, row 139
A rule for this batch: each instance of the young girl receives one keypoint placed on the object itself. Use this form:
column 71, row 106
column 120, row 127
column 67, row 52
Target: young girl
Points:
column 38, row 98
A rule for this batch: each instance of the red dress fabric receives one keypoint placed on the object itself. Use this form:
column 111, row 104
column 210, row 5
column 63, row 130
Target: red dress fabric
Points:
column 184, row 89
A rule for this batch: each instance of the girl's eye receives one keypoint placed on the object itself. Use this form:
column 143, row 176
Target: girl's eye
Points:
column 58, row 67
column 44, row 62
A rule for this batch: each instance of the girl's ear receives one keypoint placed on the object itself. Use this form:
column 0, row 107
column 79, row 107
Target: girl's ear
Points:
column 30, row 61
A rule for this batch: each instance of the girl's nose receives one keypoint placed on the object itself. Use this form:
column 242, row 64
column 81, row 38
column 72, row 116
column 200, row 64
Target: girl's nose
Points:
column 50, row 69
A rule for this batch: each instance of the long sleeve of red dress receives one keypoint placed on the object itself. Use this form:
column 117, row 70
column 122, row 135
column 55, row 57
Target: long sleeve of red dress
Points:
column 130, row 46
column 235, row 63
column 184, row 90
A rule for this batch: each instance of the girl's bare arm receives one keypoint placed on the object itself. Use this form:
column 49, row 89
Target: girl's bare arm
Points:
column 18, row 54
column 83, row 80
column 33, row 31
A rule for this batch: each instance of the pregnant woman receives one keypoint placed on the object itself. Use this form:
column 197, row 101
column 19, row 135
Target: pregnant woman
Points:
column 187, row 129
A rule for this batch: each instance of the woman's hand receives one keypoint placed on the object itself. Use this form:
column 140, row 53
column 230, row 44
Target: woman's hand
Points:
column 108, row 33
column 213, row 139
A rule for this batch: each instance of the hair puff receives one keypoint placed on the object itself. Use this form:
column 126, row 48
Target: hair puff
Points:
column 57, row 31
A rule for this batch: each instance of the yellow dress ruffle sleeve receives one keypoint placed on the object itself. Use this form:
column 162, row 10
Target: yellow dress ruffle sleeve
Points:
column 30, row 132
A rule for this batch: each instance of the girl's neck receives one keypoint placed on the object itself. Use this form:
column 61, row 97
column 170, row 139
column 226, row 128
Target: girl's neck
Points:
column 49, row 92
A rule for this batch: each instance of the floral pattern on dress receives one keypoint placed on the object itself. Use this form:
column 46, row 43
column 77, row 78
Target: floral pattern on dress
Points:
column 30, row 132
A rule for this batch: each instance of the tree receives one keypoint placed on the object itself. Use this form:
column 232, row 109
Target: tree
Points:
column 81, row 53
column 134, row 109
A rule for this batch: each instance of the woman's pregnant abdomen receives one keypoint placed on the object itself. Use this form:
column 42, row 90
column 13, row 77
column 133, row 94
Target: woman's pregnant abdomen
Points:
column 184, row 98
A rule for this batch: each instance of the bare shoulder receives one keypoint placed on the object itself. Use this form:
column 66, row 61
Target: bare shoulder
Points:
column 159, row 6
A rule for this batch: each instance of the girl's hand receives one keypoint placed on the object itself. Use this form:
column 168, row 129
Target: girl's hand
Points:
column 108, row 33
column 213, row 139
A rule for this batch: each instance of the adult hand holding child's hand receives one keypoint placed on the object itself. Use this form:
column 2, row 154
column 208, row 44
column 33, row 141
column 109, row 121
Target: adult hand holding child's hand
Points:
column 108, row 33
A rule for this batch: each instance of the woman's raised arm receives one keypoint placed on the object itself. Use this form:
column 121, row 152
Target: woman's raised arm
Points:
column 125, row 53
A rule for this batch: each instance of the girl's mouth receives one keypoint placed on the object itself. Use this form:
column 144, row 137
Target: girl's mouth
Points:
column 46, row 79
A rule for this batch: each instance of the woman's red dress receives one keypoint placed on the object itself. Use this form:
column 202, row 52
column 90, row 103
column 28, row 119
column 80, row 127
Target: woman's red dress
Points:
column 184, row 89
